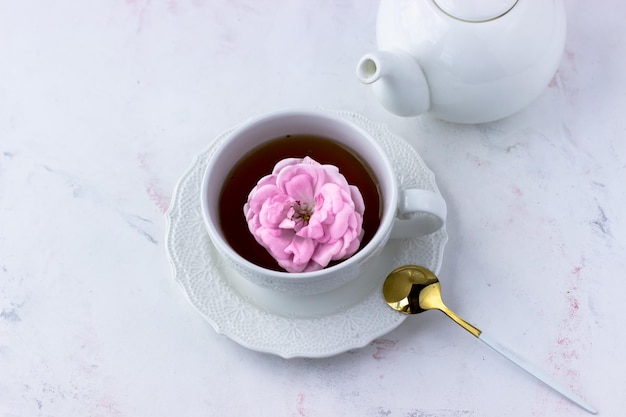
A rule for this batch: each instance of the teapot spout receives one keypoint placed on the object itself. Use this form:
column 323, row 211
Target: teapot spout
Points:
column 397, row 80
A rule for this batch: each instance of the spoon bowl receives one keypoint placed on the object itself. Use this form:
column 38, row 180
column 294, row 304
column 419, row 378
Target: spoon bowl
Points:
column 413, row 289
column 403, row 287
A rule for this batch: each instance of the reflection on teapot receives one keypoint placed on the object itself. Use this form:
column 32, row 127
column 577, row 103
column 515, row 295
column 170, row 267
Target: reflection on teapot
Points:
column 466, row 61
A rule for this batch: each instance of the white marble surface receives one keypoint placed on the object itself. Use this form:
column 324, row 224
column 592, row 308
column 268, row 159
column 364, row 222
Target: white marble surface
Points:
column 103, row 106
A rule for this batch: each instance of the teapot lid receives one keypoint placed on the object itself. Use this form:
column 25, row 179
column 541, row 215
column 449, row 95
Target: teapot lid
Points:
column 475, row 10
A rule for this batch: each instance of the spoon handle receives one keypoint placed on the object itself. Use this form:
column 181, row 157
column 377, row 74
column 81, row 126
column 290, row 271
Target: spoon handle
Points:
column 537, row 373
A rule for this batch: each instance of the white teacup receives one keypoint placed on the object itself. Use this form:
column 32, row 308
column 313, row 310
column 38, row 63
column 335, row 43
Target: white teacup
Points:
column 404, row 213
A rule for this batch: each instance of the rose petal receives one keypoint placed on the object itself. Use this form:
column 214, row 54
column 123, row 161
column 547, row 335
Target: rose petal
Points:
column 301, row 249
column 300, row 187
column 325, row 253
column 357, row 199
column 314, row 230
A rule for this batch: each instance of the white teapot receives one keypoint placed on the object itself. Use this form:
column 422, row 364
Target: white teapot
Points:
column 466, row 61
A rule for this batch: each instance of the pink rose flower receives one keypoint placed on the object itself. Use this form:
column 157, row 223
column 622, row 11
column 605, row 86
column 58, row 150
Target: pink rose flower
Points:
column 305, row 214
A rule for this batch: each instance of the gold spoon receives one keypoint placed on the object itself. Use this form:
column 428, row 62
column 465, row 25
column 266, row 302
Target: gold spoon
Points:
column 413, row 289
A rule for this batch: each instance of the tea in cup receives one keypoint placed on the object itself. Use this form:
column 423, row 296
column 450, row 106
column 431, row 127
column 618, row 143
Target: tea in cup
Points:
column 249, row 156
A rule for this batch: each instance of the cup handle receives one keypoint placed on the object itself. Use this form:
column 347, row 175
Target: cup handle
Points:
column 420, row 212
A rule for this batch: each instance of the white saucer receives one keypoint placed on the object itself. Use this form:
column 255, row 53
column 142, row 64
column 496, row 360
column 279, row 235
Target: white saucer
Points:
column 312, row 326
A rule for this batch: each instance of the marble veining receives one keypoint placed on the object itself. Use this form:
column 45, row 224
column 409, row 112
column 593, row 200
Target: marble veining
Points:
column 104, row 106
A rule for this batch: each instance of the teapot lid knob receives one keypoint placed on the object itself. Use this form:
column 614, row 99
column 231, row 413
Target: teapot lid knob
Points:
column 475, row 10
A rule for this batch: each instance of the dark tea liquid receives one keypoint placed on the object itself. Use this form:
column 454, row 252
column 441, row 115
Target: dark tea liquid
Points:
column 260, row 162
